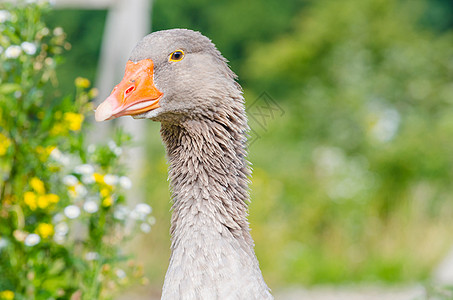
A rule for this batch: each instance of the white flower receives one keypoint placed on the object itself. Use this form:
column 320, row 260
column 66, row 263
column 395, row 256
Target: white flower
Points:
column 13, row 51
column 29, row 48
column 80, row 190
column 111, row 179
column 90, row 206
column 58, row 31
column 145, row 227
column 121, row 212
column 58, row 156
column 88, row 179
column 134, row 214
column 59, row 239
column 125, row 182
column 120, row 273
column 45, row 31
column 85, row 169
column 91, row 148
column 3, row 243
column 151, row 220
column 4, row 16
column 72, row 211
column 91, row 256
column 70, row 180
column 58, row 218
column 140, row 211
column 112, row 145
column 143, row 208
column 118, row 151
column 32, row 239
column 61, row 228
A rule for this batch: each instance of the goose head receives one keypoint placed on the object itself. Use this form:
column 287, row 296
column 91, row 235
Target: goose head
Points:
column 171, row 75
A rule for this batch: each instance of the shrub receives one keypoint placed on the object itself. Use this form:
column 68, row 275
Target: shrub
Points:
column 62, row 205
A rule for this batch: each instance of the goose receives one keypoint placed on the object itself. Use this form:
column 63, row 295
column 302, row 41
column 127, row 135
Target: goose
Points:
column 178, row 78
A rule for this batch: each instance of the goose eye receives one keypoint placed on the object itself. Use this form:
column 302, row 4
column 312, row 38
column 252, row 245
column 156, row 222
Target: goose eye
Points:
column 176, row 55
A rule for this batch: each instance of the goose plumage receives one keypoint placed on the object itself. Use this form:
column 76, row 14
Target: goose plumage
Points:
column 178, row 78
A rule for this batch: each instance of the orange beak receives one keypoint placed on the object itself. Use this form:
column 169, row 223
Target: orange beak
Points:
column 135, row 94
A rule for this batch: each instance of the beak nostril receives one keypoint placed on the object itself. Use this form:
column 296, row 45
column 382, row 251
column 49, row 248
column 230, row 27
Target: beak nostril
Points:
column 129, row 90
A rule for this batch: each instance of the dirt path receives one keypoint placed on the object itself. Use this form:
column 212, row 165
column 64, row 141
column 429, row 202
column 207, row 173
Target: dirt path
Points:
column 322, row 293
column 352, row 293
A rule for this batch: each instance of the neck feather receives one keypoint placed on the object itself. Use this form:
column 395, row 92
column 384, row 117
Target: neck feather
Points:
column 212, row 250
column 209, row 175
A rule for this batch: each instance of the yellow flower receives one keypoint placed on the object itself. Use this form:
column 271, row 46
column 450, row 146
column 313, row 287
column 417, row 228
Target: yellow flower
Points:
column 5, row 142
column 99, row 178
column 73, row 120
column 30, row 200
column 44, row 152
column 40, row 149
column 105, row 192
column 93, row 93
column 82, row 82
column 52, row 198
column 107, row 202
column 44, row 230
column 8, row 200
column 57, row 129
column 6, row 295
column 49, row 149
column 72, row 191
column 45, row 200
column 37, row 185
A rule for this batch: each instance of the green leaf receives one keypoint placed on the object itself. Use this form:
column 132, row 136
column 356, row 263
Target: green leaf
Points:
column 8, row 88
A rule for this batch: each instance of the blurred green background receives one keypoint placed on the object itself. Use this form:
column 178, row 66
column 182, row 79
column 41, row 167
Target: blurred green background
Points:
column 353, row 170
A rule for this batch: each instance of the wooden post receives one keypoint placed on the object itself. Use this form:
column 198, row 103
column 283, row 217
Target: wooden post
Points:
column 127, row 22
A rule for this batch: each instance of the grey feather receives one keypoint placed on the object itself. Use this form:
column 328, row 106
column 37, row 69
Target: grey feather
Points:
column 204, row 128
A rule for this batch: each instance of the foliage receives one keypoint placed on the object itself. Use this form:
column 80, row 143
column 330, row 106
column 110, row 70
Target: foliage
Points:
column 364, row 88
column 62, row 204
column 361, row 180
column 83, row 29
column 233, row 25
